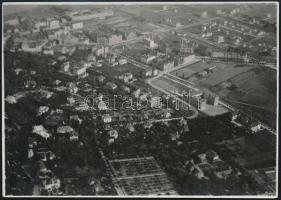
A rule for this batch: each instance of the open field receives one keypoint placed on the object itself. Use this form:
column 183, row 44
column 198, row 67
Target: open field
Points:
column 220, row 73
column 223, row 72
column 255, row 93
column 252, row 151
column 191, row 69
column 253, row 87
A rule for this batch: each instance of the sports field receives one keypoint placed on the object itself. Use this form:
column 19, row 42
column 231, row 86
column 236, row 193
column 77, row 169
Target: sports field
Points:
column 170, row 85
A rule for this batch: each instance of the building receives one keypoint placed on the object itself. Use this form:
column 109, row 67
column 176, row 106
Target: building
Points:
column 143, row 97
column 219, row 12
column 131, row 35
column 147, row 72
column 102, row 105
column 44, row 155
column 42, row 167
column 114, row 39
column 54, row 24
column 188, row 59
column 216, row 54
column 221, row 169
column 125, row 88
column 101, row 78
column 147, row 58
column 255, row 127
column 40, row 24
column 86, row 64
column 137, row 93
column 82, row 38
column 122, row 61
column 220, row 39
column 62, row 50
column 65, row 66
column 64, row 130
column 73, row 136
column 75, row 118
column 111, row 85
column 91, row 58
column 33, row 46
column 68, row 39
column 113, row 134
column 213, row 100
column 212, row 156
column 166, row 65
column 107, row 118
column 102, row 51
column 155, row 72
column 78, row 25
column 80, row 72
column 41, row 131
column 237, row 41
column 174, row 136
column 156, row 102
column 150, row 43
column 112, row 58
column 127, row 77
column 48, row 51
column 12, row 22
column 202, row 104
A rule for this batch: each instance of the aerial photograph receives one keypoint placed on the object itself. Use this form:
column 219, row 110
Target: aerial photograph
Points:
column 166, row 99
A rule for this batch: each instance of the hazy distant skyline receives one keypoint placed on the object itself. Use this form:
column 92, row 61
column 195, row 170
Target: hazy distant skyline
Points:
column 21, row 7
column 11, row 9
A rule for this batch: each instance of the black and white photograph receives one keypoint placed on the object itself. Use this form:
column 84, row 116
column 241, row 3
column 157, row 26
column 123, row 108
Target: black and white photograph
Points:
column 140, row 99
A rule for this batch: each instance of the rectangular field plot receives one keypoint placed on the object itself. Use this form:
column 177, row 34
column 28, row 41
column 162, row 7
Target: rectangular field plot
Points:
column 220, row 72
column 223, row 73
column 171, row 84
column 129, row 167
column 149, row 185
column 141, row 176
